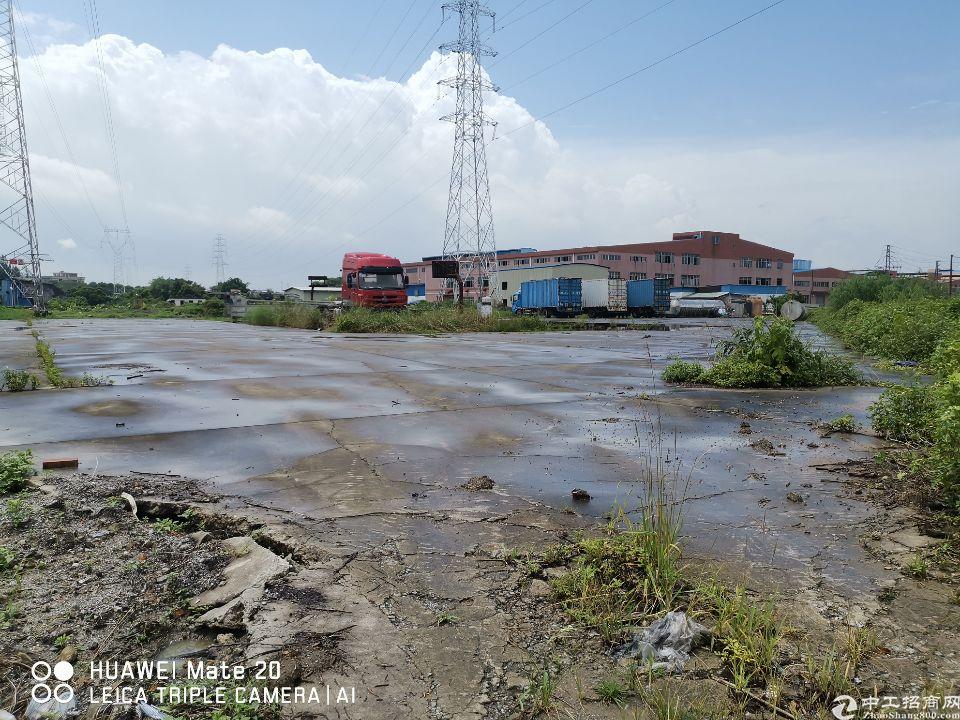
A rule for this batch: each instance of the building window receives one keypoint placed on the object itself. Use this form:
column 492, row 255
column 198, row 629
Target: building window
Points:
column 540, row 260
column 638, row 276
column 779, row 264
column 503, row 285
column 779, row 281
column 746, row 262
column 664, row 257
column 638, row 258
column 503, row 263
column 665, row 276
column 486, row 283
column 610, row 257
column 691, row 259
column 690, row 280
column 522, row 261
column 716, row 239
column 821, row 284
column 763, row 281
column 746, row 281
column 590, row 256
column 563, row 258
column 614, row 274
column 763, row 262
column 802, row 283
column 468, row 283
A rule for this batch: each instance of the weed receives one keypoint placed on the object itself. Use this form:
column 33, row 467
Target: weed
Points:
column 18, row 380
column 612, row 690
column 827, row 672
column 15, row 468
column 843, row 424
column 906, row 413
column 292, row 315
column 558, row 554
column 538, row 696
column 446, row 618
column 434, row 318
column 917, row 567
column 681, row 371
column 62, row 641
column 168, row 525
column 666, row 702
column 18, row 512
column 8, row 559
column 55, row 375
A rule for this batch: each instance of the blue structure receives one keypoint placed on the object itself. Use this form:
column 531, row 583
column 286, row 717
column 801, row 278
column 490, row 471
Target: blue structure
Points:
column 640, row 295
column 553, row 295
column 10, row 296
column 418, row 290
column 802, row 265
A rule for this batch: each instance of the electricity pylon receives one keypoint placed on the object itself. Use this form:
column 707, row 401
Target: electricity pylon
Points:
column 119, row 247
column 15, row 162
column 468, row 236
column 219, row 258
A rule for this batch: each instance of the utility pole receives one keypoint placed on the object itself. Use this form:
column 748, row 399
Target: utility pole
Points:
column 119, row 247
column 888, row 264
column 950, row 293
column 15, row 161
column 219, row 259
column 468, row 236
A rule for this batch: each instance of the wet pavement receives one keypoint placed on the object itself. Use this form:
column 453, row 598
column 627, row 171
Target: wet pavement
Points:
column 332, row 426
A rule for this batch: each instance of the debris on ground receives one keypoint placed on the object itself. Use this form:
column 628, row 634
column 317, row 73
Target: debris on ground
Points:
column 580, row 494
column 478, row 483
column 795, row 497
column 745, row 428
column 763, row 445
column 59, row 463
column 666, row 643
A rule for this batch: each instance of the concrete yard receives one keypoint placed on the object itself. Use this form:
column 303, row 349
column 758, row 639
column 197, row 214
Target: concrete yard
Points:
column 367, row 440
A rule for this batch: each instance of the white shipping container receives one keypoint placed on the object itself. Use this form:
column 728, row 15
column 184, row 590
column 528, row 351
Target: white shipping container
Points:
column 596, row 294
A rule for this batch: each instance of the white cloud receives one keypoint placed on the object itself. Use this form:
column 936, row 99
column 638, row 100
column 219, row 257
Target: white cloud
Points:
column 67, row 243
column 294, row 166
column 41, row 30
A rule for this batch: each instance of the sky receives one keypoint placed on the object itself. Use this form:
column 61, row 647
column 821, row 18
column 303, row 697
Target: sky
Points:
column 302, row 130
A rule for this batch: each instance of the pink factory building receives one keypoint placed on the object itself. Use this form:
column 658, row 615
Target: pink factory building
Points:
column 690, row 259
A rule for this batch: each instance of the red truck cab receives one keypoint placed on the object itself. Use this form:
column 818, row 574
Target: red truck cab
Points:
column 373, row 280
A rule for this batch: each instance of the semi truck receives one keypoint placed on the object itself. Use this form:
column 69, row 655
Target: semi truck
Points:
column 605, row 297
column 373, row 280
column 552, row 296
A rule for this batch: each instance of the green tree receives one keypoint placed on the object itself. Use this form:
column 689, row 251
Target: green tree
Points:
column 165, row 288
column 233, row 283
column 92, row 294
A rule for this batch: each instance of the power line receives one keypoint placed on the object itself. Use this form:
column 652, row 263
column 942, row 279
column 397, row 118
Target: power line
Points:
column 591, row 45
column 525, row 15
column 540, row 34
column 654, row 64
column 365, row 32
column 390, row 39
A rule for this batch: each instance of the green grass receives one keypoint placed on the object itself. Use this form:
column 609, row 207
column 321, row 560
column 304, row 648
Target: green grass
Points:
column 55, row 376
column 67, row 309
column 11, row 313
column 433, row 319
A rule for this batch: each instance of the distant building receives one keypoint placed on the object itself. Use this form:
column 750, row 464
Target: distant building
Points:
column 65, row 280
column 316, row 293
column 801, row 265
column 690, row 259
column 814, row 285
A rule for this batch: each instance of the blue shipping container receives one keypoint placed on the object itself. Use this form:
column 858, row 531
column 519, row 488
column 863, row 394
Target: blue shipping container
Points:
column 559, row 295
column 639, row 294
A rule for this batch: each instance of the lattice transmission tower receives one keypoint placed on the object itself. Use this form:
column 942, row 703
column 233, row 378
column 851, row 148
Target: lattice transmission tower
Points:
column 220, row 258
column 15, row 165
column 121, row 245
column 468, row 236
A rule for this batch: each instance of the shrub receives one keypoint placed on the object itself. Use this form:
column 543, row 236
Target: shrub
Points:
column 292, row 315
column 881, row 287
column 906, row 413
column 214, row 307
column 732, row 372
column 843, row 424
column 7, row 559
column 15, row 468
column 681, row 371
column 18, row 380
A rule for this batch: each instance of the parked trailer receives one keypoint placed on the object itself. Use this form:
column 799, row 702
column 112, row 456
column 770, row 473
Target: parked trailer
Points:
column 552, row 296
column 640, row 297
column 605, row 297
column 661, row 296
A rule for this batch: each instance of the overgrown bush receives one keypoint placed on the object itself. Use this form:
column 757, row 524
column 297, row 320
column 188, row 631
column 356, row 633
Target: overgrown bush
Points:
column 432, row 318
column 681, row 371
column 907, row 413
column 881, row 287
column 768, row 354
column 18, row 380
column 15, row 468
column 291, row 315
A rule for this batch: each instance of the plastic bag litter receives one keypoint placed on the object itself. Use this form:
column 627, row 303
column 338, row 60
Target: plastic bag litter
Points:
column 666, row 643
column 51, row 709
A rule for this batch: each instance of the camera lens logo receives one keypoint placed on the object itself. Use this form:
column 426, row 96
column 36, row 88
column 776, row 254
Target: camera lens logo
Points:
column 43, row 688
column 844, row 707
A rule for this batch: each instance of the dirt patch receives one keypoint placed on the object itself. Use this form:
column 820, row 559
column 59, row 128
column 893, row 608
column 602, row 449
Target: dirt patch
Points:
column 110, row 408
column 765, row 447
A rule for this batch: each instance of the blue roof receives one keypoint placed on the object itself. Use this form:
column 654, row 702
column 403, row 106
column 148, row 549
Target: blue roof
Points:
column 755, row 289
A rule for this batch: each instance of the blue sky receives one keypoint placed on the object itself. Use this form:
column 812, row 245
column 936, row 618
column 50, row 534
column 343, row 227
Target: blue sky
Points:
column 823, row 127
